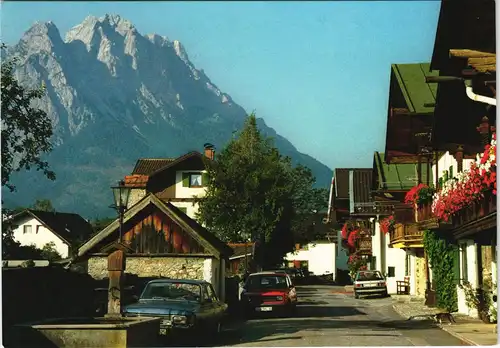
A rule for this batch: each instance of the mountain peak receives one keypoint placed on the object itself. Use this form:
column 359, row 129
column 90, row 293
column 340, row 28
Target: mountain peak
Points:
column 42, row 35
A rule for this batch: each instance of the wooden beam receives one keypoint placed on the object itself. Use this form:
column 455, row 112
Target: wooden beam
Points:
column 466, row 53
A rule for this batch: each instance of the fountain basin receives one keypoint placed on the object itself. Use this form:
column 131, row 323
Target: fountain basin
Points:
column 98, row 332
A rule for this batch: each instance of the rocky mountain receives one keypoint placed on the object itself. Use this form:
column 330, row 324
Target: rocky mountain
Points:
column 114, row 96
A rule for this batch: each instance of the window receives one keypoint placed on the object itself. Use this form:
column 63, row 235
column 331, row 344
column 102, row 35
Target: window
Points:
column 211, row 293
column 193, row 179
column 463, row 263
column 38, row 228
column 27, row 228
column 391, row 272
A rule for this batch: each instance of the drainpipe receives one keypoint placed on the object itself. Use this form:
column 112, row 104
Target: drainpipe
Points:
column 477, row 97
column 330, row 201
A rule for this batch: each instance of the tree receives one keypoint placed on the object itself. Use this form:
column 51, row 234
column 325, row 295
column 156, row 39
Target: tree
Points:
column 26, row 130
column 49, row 252
column 44, row 205
column 255, row 193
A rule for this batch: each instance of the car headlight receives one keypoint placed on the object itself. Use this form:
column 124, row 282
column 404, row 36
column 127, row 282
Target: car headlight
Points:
column 279, row 298
column 179, row 319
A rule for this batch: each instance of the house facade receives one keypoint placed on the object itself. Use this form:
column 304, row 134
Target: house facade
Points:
column 175, row 180
column 165, row 243
column 39, row 228
column 319, row 257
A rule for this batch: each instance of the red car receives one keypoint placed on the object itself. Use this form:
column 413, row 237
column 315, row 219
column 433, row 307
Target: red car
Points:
column 269, row 292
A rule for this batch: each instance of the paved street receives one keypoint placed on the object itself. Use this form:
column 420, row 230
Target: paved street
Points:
column 328, row 317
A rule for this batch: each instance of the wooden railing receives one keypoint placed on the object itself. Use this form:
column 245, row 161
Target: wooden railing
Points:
column 406, row 234
column 476, row 211
column 424, row 212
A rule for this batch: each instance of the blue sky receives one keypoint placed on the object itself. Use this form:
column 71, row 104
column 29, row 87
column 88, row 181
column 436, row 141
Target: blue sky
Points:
column 317, row 72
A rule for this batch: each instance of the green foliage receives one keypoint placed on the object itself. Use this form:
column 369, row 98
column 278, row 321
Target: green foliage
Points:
column 26, row 131
column 481, row 299
column 43, row 205
column 254, row 193
column 441, row 258
column 50, row 253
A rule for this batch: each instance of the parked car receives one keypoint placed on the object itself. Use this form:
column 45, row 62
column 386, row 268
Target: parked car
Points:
column 269, row 292
column 181, row 305
column 369, row 283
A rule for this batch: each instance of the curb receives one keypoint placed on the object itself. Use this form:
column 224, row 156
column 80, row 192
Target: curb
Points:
column 460, row 337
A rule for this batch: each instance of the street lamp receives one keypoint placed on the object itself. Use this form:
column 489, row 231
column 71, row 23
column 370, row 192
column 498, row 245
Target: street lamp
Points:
column 121, row 195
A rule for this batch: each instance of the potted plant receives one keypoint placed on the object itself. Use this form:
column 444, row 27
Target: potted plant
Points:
column 420, row 197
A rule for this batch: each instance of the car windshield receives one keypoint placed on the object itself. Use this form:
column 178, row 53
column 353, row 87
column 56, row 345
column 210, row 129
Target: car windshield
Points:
column 258, row 282
column 369, row 275
column 172, row 291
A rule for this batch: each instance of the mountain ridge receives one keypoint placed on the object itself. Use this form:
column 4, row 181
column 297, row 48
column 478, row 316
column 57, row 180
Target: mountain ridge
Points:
column 115, row 95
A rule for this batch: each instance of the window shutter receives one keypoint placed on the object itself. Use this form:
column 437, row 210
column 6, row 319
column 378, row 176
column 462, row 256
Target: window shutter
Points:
column 204, row 179
column 185, row 179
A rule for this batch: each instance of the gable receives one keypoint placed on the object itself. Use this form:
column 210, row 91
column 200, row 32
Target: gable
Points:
column 152, row 226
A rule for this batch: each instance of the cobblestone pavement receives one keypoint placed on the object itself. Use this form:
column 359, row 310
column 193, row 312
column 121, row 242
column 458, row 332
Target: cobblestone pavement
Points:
column 328, row 316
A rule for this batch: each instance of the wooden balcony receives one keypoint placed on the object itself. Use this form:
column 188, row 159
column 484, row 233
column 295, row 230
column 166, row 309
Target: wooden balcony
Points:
column 424, row 213
column 373, row 208
column 406, row 236
column 364, row 245
column 478, row 216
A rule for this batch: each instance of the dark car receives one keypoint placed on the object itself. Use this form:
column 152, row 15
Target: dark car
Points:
column 269, row 292
column 181, row 305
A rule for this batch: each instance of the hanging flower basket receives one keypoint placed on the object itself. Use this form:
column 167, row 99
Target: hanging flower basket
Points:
column 387, row 224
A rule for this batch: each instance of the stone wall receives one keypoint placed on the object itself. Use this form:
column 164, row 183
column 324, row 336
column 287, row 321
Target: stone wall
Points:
column 169, row 267
column 136, row 194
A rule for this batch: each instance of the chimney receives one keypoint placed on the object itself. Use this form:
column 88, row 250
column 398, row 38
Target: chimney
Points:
column 209, row 150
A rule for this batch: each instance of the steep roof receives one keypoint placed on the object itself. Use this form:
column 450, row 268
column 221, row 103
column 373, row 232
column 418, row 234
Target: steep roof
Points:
column 417, row 93
column 146, row 166
column 393, row 177
column 361, row 188
column 195, row 230
column 69, row 227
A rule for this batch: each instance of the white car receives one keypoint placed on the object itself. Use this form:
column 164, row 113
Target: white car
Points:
column 369, row 283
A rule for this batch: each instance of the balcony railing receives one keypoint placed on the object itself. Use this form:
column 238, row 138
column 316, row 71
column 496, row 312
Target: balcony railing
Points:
column 424, row 213
column 373, row 208
column 476, row 211
column 407, row 234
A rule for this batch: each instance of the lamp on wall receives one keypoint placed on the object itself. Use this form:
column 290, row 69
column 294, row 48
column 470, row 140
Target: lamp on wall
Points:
column 121, row 194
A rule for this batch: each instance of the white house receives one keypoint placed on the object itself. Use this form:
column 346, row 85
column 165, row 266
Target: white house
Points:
column 38, row 228
column 174, row 180
column 471, row 255
column 389, row 261
column 320, row 257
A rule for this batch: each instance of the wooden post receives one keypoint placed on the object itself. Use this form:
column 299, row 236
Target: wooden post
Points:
column 428, row 170
column 419, row 169
column 436, row 159
column 459, row 156
column 116, row 266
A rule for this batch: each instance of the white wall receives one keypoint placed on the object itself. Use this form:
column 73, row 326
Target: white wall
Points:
column 187, row 192
column 320, row 257
column 38, row 237
column 214, row 273
column 388, row 257
column 448, row 160
column 472, row 275
column 413, row 268
column 191, row 209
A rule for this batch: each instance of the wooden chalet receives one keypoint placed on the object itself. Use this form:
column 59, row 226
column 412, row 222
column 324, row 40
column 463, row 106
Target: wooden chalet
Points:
column 162, row 241
column 408, row 140
column 464, row 120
